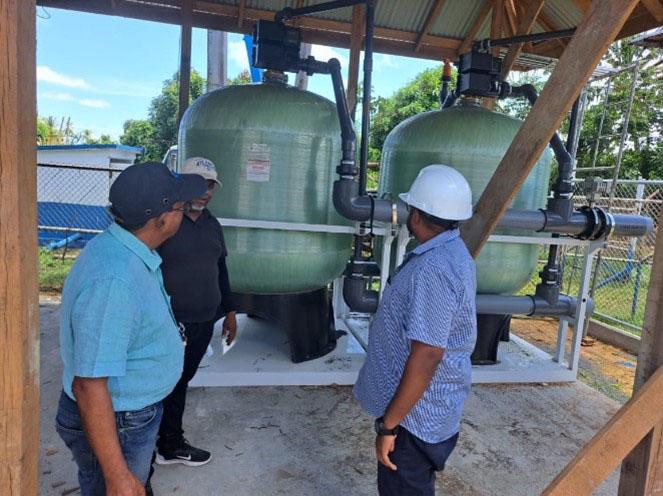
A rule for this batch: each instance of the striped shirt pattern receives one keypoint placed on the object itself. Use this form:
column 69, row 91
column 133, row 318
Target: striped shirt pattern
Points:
column 431, row 299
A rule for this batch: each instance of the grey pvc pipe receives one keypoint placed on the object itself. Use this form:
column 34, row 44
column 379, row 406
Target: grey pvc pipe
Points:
column 537, row 220
column 528, row 305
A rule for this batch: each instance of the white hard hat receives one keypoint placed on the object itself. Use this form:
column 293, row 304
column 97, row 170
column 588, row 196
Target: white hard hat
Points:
column 442, row 192
column 201, row 166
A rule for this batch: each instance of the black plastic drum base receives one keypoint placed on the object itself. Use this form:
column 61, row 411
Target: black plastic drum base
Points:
column 306, row 318
column 491, row 329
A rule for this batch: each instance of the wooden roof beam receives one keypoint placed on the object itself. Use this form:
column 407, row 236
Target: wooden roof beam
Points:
column 241, row 11
column 511, row 17
column 497, row 24
column 525, row 25
column 466, row 44
column 655, row 8
column 432, row 16
column 594, row 34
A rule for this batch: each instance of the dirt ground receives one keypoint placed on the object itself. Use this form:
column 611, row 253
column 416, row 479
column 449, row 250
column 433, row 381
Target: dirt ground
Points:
column 604, row 367
column 316, row 440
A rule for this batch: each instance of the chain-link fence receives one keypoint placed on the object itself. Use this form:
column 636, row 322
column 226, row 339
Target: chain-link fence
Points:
column 621, row 272
column 71, row 202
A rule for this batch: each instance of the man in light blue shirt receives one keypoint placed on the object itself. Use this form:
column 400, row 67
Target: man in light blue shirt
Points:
column 120, row 344
column 417, row 372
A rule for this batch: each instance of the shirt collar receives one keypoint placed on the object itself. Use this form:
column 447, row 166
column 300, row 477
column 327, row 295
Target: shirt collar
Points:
column 436, row 241
column 150, row 257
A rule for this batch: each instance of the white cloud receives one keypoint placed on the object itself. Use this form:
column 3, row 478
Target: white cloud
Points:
column 48, row 75
column 324, row 53
column 61, row 97
column 237, row 53
column 89, row 102
column 384, row 61
column 121, row 87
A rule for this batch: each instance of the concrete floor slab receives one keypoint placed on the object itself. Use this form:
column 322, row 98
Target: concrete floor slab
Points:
column 310, row 440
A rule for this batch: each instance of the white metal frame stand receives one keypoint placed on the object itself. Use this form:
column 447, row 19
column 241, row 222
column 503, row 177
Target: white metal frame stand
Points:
column 543, row 367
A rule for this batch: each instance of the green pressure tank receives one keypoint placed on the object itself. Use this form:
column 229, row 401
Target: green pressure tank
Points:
column 276, row 149
column 472, row 140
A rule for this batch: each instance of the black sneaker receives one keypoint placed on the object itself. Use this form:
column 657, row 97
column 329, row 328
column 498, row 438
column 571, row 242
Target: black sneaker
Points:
column 184, row 454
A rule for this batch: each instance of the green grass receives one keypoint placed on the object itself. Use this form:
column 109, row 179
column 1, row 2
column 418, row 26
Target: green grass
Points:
column 53, row 269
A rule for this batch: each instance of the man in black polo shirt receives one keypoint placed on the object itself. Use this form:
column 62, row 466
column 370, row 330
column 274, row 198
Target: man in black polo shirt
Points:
column 196, row 278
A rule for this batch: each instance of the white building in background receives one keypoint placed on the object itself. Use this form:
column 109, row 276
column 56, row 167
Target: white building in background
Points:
column 73, row 182
column 101, row 156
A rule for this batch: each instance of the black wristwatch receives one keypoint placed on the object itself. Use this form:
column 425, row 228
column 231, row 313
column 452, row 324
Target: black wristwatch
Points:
column 381, row 430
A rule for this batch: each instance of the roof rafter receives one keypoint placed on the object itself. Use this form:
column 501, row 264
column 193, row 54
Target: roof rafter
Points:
column 654, row 7
column 471, row 34
column 432, row 16
column 532, row 11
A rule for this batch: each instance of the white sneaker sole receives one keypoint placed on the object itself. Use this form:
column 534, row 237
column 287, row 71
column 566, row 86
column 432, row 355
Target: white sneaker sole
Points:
column 160, row 460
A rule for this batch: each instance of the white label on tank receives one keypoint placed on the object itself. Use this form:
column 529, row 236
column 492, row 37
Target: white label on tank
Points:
column 258, row 165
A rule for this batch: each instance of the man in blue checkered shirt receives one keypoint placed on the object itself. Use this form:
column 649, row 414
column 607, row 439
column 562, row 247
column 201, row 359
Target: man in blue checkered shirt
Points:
column 417, row 372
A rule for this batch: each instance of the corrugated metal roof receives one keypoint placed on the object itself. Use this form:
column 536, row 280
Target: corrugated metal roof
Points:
column 456, row 18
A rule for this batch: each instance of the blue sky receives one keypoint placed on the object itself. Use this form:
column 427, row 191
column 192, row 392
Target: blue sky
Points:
column 101, row 71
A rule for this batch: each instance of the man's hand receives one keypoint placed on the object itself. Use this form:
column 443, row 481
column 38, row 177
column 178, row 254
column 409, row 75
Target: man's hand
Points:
column 124, row 485
column 383, row 446
column 230, row 327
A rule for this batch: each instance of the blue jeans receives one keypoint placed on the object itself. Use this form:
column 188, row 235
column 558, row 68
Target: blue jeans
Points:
column 417, row 462
column 137, row 431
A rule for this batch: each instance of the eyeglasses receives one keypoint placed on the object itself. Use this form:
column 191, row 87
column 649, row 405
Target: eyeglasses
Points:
column 185, row 209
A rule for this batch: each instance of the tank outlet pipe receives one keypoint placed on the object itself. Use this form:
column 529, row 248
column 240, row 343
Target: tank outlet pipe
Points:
column 586, row 223
column 563, row 187
column 357, row 296
column 565, row 306
column 446, row 79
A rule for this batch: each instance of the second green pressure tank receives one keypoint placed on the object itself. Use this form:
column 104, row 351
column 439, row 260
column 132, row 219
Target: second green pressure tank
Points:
column 473, row 140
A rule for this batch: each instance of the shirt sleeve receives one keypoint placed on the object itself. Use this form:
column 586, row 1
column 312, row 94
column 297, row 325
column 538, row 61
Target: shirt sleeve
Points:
column 104, row 317
column 433, row 303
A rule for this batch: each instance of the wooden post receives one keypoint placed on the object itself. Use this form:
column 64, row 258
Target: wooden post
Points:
column 185, row 57
column 19, row 296
column 642, row 470
column 356, row 42
column 594, row 34
column 217, row 59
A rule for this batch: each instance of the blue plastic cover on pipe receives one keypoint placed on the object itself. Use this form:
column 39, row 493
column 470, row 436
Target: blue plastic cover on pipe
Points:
column 256, row 74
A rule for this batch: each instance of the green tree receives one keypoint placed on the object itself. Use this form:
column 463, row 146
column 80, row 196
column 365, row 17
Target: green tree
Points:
column 158, row 132
column 243, row 77
column 420, row 95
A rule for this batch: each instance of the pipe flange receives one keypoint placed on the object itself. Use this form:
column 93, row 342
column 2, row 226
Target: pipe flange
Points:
column 593, row 223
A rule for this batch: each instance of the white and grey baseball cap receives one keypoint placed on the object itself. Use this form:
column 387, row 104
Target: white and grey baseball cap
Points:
column 203, row 167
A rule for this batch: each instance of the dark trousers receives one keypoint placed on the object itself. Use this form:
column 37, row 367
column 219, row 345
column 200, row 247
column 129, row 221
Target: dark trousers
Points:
column 417, row 462
column 198, row 337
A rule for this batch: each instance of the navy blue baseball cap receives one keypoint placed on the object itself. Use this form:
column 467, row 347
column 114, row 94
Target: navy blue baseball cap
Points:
column 144, row 191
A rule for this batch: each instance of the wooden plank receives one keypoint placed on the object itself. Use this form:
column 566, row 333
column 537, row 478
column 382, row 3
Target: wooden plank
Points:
column 642, row 470
column 432, row 16
column 525, row 25
column 582, row 5
column 497, row 24
column 466, row 45
column 603, row 454
column 241, row 10
column 19, row 296
column 511, row 17
column 655, row 8
column 356, row 43
column 185, row 57
column 592, row 38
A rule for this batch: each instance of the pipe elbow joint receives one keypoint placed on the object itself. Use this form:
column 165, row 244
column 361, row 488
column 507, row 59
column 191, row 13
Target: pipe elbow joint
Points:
column 345, row 194
column 357, row 296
